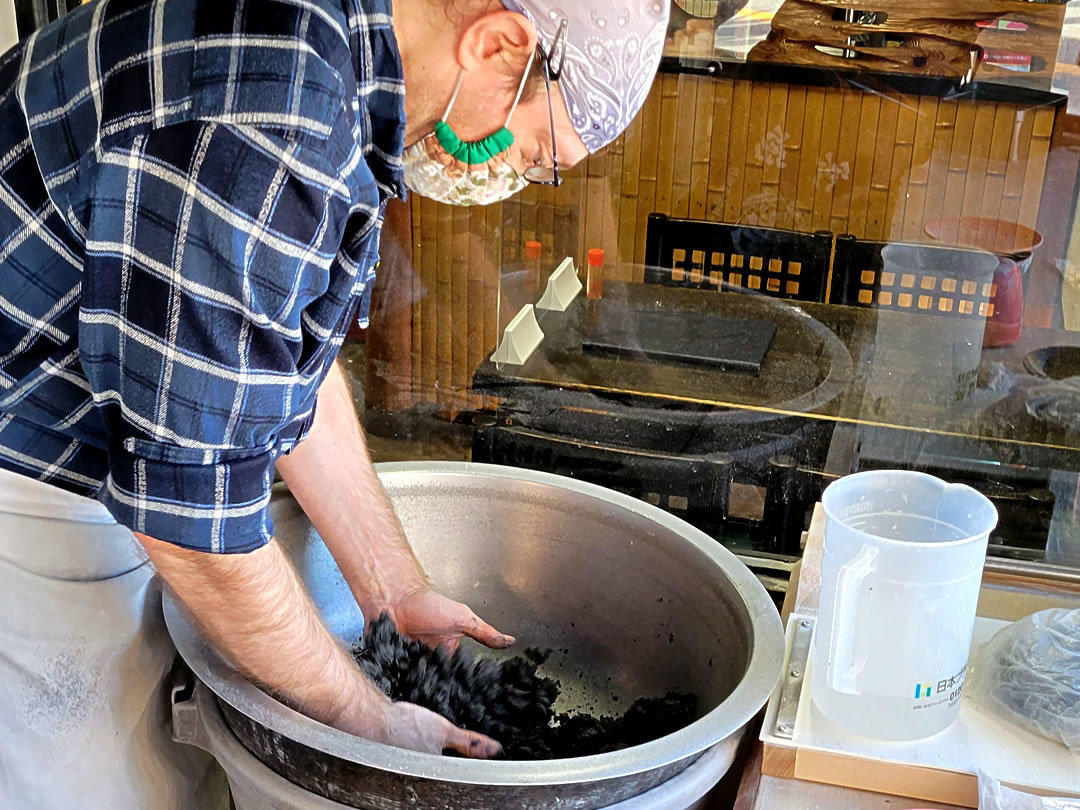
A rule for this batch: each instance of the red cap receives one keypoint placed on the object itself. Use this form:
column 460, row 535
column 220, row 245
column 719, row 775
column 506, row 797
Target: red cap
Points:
column 532, row 250
column 596, row 257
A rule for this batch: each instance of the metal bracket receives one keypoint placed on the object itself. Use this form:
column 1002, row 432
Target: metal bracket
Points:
column 187, row 727
column 791, row 690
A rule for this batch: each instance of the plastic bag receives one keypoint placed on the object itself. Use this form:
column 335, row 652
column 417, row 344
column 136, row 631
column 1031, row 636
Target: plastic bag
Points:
column 995, row 796
column 1029, row 673
column 1008, row 393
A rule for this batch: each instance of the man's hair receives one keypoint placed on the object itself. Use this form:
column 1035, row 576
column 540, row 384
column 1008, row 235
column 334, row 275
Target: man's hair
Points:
column 535, row 83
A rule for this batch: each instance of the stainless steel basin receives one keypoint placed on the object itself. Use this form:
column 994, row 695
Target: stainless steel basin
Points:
column 640, row 602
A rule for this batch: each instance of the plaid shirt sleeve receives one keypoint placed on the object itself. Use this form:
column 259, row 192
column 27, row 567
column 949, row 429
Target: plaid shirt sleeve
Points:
column 208, row 246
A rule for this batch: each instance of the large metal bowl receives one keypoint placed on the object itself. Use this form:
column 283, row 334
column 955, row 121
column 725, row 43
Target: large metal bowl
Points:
column 640, row 601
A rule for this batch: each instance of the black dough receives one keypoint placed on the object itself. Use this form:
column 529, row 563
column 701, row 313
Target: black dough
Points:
column 509, row 701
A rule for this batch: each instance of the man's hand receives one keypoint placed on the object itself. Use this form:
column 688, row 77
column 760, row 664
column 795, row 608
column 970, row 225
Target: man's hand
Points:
column 254, row 609
column 333, row 479
column 413, row 727
column 438, row 621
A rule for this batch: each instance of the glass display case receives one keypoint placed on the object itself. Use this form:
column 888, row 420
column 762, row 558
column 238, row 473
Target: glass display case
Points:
column 809, row 256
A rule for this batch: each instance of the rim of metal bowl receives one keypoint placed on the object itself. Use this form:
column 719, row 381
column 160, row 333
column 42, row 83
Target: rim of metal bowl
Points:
column 753, row 691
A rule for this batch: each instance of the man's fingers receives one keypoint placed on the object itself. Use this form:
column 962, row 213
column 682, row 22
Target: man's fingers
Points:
column 472, row 745
column 479, row 630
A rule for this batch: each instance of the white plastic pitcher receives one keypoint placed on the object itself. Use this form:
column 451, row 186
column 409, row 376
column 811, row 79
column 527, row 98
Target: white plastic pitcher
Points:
column 949, row 373
column 900, row 578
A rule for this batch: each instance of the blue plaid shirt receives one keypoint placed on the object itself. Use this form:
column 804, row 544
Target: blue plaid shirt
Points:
column 191, row 196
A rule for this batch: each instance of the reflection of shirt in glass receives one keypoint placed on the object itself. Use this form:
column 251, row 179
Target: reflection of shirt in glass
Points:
column 191, row 195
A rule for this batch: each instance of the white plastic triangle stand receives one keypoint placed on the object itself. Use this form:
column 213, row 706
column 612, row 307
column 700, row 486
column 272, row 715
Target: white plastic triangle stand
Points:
column 563, row 287
column 520, row 338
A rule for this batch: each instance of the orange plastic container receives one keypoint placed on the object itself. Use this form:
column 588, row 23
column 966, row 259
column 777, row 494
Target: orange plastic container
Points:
column 594, row 281
column 533, row 251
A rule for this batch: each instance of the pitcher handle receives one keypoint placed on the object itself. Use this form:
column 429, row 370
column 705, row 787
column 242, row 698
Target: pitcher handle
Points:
column 844, row 669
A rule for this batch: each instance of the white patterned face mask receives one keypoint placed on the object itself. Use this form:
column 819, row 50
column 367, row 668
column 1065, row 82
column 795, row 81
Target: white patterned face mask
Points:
column 442, row 167
column 432, row 172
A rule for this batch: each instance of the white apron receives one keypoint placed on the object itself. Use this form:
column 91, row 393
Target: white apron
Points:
column 84, row 665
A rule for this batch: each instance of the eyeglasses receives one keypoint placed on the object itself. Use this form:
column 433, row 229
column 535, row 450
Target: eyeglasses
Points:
column 549, row 175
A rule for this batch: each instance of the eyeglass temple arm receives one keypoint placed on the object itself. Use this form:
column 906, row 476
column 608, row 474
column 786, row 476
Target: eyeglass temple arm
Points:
column 557, row 42
column 551, row 119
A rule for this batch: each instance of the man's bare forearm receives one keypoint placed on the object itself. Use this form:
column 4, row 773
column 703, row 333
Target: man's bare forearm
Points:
column 254, row 609
column 331, row 475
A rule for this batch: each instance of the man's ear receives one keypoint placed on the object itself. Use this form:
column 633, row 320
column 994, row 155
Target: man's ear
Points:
column 499, row 41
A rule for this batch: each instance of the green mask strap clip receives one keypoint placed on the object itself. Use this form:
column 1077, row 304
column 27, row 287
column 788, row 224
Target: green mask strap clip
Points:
column 483, row 150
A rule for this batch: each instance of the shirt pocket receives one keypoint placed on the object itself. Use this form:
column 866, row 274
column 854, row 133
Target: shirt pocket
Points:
column 175, row 455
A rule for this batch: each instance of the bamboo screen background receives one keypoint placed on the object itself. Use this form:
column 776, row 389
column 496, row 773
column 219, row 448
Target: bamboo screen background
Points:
column 878, row 166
